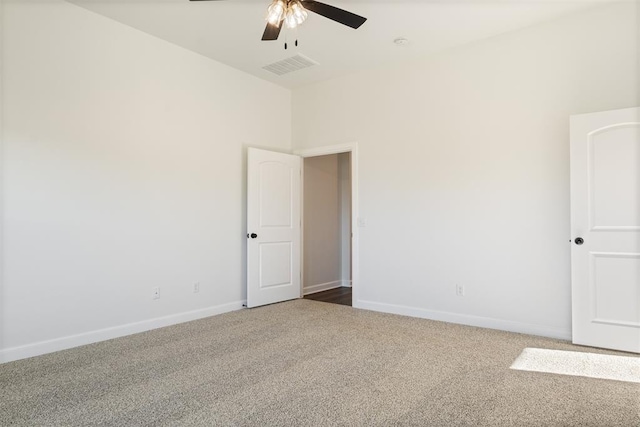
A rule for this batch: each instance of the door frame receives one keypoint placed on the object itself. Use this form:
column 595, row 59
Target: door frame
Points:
column 352, row 148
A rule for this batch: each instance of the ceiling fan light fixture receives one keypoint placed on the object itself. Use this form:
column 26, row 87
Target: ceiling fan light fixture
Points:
column 276, row 12
column 295, row 14
column 289, row 20
column 299, row 12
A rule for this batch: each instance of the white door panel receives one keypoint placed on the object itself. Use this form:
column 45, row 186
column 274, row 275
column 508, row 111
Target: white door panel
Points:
column 614, row 178
column 273, row 217
column 605, row 213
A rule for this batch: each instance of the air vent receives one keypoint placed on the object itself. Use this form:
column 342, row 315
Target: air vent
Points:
column 290, row 65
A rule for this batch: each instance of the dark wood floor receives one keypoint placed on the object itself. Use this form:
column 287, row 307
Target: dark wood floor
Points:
column 334, row 296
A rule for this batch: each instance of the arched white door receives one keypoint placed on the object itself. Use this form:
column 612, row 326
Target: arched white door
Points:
column 273, row 227
column 605, row 223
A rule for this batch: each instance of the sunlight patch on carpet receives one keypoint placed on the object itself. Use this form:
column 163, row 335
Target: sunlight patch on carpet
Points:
column 619, row 368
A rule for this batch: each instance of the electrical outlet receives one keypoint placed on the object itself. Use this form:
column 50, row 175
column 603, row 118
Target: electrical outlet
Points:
column 156, row 293
column 196, row 287
column 459, row 290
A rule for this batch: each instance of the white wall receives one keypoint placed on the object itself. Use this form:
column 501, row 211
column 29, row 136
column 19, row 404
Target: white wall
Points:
column 464, row 167
column 2, row 22
column 123, row 170
column 344, row 183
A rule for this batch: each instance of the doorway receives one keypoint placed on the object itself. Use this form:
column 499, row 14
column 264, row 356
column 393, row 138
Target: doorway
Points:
column 329, row 267
column 275, row 221
column 326, row 231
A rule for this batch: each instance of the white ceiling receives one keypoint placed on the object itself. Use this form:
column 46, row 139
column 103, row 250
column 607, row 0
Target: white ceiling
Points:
column 230, row 31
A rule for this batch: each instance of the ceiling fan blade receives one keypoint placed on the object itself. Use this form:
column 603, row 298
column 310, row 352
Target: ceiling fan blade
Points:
column 271, row 32
column 335, row 14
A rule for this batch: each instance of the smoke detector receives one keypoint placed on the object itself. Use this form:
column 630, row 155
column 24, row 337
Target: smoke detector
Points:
column 402, row 42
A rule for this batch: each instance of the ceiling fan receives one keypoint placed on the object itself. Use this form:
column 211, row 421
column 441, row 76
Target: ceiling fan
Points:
column 292, row 13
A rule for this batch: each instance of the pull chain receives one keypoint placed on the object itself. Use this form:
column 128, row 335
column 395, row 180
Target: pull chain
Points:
column 286, row 38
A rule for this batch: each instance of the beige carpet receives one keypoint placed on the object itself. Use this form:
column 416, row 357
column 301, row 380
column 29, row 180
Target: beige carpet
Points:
column 308, row 363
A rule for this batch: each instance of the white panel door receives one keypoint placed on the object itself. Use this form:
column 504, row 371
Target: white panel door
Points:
column 273, row 227
column 605, row 222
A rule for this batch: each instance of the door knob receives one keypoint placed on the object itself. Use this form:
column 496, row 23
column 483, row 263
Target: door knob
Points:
column 252, row 235
column 579, row 241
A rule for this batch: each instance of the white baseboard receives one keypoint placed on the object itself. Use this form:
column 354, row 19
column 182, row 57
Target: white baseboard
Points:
column 465, row 319
column 50, row 346
column 346, row 284
column 313, row 289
